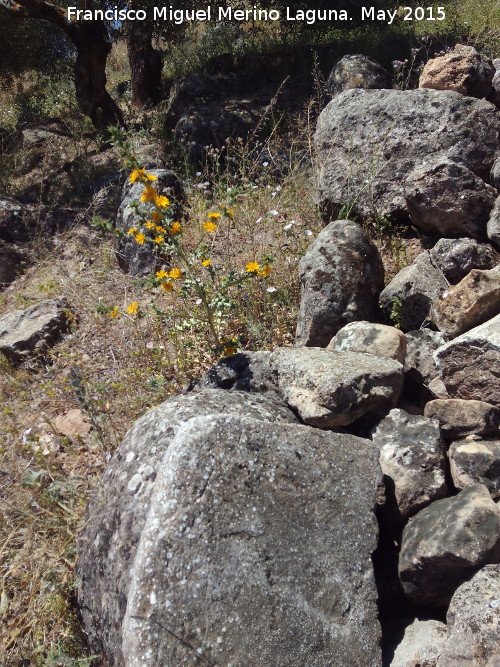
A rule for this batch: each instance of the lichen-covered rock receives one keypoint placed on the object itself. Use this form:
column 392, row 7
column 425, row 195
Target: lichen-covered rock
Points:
column 368, row 142
column 447, row 198
column 462, row 69
column 469, row 365
column 473, row 621
column 245, row 371
column 412, row 459
column 357, row 71
column 421, row 645
column 331, row 389
column 25, row 333
column 457, row 257
column 493, row 226
column 446, row 543
column 474, row 300
column 458, row 418
column 377, row 339
column 495, row 174
column 16, row 224
column 133, row 258
column 420, row 367
column 474, row 461
column 257, row 531
column 120, row 504
column 408, row 298
column 341, row 276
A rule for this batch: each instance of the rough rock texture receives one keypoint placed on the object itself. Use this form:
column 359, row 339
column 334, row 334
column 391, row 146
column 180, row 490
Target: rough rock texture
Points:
column 495, row 174
column 473, row 301
column 421, row 645
column 437, row 389
column 72, row 423
column 463, row 70
column 458, row 418
column 256, row 550
column 120, row 503
column 457, row 257
column 408, row 298
column 377, row 339
column 245, row 371
column 341, row 276
column 473, row 621
column 330, row 388
column 476, row 462
column 368, row 141
column 357, row 71
column 445, row 543
column 494, row 97
column 412, row 459
column 25, row 333
column 493, row 226
column 469, row 365
column 12, row 260
column 420, row 367
column 141, row 260
column 15, row 223
column 447, row 198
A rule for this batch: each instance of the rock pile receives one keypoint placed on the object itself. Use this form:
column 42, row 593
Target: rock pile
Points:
column 235, row 524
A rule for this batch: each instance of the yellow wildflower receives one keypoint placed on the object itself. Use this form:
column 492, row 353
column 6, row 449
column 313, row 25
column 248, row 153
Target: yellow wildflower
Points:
column 132, row 230
column 168, row 286
column 230, row 345
column 252, row 267
column 175, row 273
column 160, row 229
column 175, row 228
column 149, row 194
column 161, row 274
column 156, row 216
column 161, row 201
column 141, row 175
column 209, row 226
column 114, row 312
column 140, row 238
column 206, row 262
column 159, row 239
column 265, row 271
column 133, row 308
column 149, row 225
column 213, row 215
column 229, row 212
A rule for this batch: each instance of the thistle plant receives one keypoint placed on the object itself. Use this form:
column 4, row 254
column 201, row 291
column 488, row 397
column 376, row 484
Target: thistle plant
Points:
column 209, row 290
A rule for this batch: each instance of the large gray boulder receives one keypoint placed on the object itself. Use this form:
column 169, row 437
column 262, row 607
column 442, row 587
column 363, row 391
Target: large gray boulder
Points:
column 341, row 276
column 446, row 543
column 420, row 367
column 370, row 338
column 421, row 645
column 368, row 142
column 412, row 459
column 120, row 504
column 257, row 550
column 458, row 418
column 474, row 300
column 475, row 461
column 133, row 258
column 473, row 622
column 330, row 389
column 446, row 198
column 357, row 71
column 457, row 257
column 408, row 298
column 27, row 333
column 469, row 365
column 462, row 69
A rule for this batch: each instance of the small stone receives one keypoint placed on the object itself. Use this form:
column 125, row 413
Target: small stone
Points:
column 377, row 339
column 357, row 71
column 446, row 543
column 476, row 462
column 457, row 257
column 72, row 423
column 458, row 418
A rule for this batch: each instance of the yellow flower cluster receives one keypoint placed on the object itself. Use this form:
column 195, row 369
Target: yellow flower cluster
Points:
column 230, row 345
column 166, row 278
column 262, row 270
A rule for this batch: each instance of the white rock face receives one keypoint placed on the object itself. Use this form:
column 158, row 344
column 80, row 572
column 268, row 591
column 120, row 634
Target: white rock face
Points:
column 421, row 645
column 370, row 338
